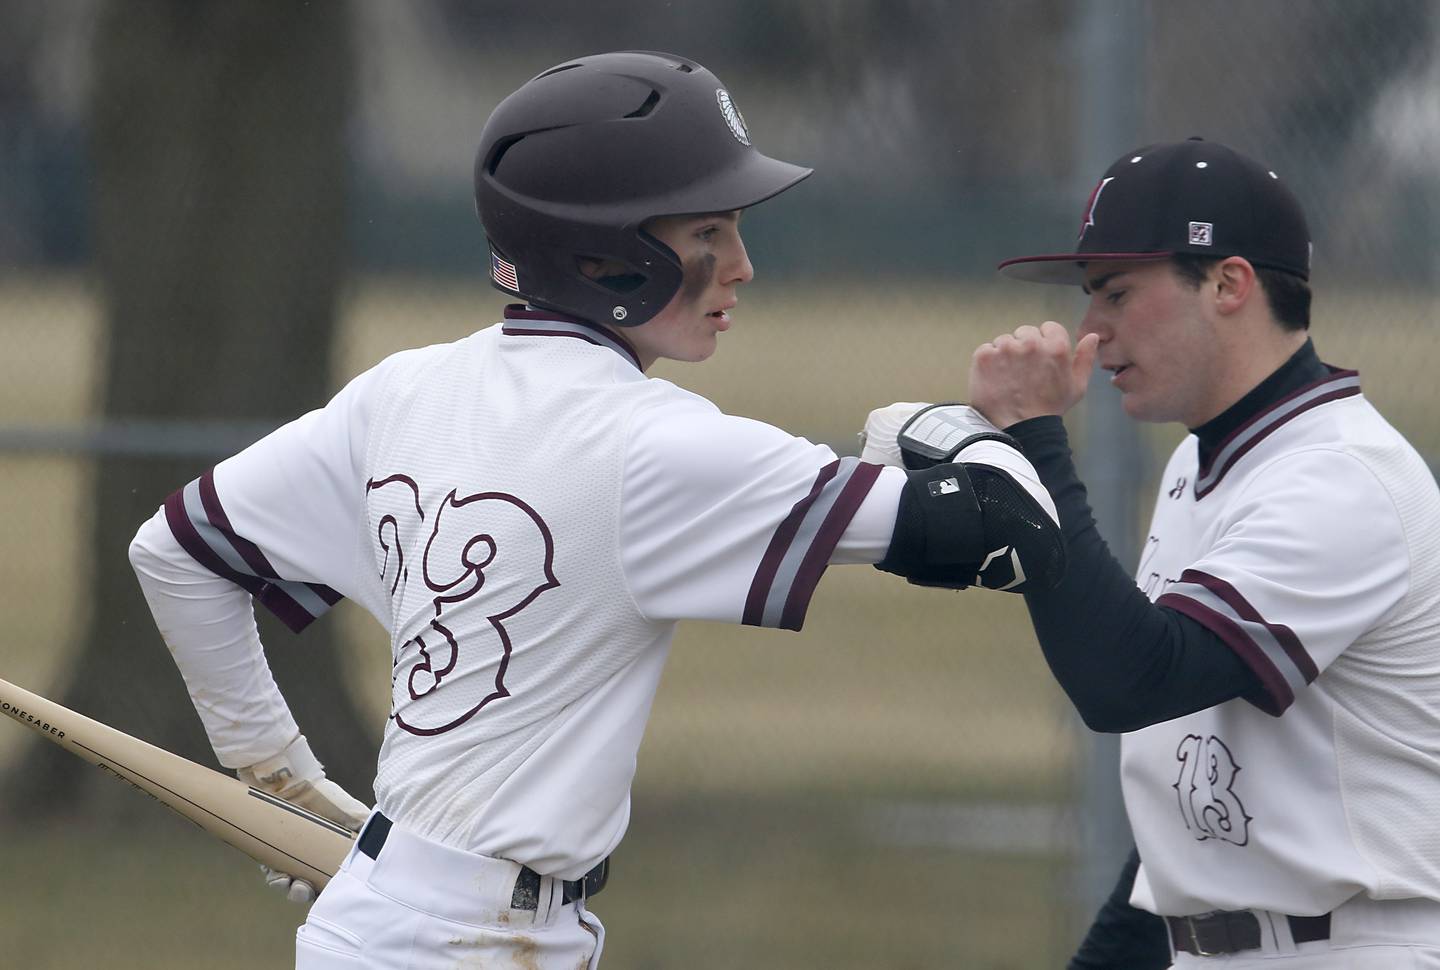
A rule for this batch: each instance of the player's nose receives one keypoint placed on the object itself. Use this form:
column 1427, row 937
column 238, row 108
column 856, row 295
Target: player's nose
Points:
column 739, row 267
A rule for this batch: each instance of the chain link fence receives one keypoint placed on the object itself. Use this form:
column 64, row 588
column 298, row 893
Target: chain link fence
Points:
column 901, row 784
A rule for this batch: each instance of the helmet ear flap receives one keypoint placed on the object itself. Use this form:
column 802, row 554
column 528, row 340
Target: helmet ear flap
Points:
column 626, row 287
column 620, row 275
column 650, row 275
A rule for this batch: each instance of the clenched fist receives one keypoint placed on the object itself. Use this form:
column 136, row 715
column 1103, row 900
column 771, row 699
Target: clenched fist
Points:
column 1029, row 373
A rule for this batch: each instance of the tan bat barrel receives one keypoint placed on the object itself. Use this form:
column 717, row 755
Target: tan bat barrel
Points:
column 268, row 829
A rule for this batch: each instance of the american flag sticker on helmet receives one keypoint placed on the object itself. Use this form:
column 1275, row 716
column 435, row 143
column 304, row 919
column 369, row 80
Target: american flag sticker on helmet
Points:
column 503, row 272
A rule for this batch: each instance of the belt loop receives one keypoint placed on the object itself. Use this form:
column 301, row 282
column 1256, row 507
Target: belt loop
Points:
column 1275, row 935
column 552, row 902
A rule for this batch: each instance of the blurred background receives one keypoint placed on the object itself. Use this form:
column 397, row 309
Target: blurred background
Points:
column 213, row 214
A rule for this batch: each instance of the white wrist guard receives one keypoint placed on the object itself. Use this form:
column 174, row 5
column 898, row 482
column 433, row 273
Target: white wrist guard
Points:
column 297, row 776
column 937, row 434
column 287, row 771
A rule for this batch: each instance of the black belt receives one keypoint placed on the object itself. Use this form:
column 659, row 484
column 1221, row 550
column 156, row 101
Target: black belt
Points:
column 527, row 884
column 1213, row 934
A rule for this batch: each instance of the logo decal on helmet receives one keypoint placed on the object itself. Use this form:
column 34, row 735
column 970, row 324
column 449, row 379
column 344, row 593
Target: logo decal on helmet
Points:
column 733, row 117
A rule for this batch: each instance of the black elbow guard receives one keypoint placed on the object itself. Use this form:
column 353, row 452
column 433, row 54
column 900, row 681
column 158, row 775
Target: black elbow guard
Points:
column 972, row 525
column 939, row 529
column 1027, row 548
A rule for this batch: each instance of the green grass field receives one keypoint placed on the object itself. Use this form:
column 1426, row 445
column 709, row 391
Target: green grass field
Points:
column 770, row 756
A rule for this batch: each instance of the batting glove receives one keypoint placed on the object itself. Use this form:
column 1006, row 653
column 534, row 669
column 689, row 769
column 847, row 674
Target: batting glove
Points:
column 878, row 442
column 298, row 777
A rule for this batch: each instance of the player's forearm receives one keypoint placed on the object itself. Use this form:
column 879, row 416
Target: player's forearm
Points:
column 209, row 625
column 1086, row 625
column 1124, row 662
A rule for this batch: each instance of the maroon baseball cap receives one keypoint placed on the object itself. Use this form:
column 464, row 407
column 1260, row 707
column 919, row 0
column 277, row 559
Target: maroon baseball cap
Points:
column 1193, row 196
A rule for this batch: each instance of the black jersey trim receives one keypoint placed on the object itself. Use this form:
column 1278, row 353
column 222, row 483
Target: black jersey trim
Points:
column 1340, row 384
column 523, row 321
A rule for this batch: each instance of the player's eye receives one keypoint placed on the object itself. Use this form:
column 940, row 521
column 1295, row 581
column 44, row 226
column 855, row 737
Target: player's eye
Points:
column 707, row 234
column 1114, row 298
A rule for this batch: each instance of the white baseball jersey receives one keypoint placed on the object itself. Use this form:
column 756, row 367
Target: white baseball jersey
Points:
column 1311, row 545
column 528, row 516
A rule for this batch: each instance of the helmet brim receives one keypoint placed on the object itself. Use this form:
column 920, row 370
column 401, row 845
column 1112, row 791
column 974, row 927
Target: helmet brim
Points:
column 756, row 179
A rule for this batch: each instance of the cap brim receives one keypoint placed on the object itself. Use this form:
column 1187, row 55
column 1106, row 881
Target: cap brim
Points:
column 1067, row 269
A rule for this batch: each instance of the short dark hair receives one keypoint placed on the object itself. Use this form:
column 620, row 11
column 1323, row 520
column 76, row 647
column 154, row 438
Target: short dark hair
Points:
column 1287, row 294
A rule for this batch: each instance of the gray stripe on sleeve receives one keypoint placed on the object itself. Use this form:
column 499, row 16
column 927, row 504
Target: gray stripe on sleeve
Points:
column 303, row 595
column 815, row 517
column 1258, row 633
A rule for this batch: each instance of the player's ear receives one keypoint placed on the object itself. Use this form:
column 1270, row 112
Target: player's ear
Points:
column 1233, row 284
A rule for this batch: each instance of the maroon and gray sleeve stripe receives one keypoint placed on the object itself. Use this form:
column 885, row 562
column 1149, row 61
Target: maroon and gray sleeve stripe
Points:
column 801, row 545
column 199, row 523
column 1272, row 650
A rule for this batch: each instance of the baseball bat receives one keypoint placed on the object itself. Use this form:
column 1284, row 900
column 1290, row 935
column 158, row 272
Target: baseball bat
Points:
column 268, row 829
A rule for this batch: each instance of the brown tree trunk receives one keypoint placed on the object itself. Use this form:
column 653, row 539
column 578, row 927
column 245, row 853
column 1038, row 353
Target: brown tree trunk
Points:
column 219, row 160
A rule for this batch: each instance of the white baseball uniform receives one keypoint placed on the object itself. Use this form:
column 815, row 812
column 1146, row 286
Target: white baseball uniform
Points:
column 528, row 516
column 1310, row 544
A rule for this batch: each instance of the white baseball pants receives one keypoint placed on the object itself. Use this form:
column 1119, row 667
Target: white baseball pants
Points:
column 1365, row 934
column 421, row 905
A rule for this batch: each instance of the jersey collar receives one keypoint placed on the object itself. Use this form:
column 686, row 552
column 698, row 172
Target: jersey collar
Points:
column 1220, row 458
column 528, row 321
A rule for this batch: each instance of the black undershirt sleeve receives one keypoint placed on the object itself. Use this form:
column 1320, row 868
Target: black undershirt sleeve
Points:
column 1123, row 937
column 1124, row 662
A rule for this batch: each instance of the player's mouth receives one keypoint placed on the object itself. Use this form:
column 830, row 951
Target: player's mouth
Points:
column 1116, row 371
column 721, row 317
